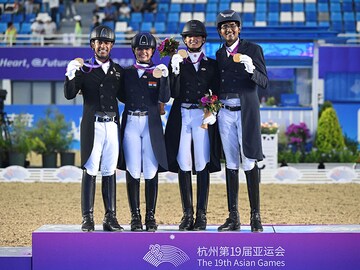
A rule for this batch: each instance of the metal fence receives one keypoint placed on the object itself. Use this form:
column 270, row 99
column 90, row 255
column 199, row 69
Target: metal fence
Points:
column 68, row 39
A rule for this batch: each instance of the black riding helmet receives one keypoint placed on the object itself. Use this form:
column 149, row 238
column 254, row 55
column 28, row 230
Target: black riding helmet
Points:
column 228, row 16
column 103, row 33
column 194, row 28
column 143, row 41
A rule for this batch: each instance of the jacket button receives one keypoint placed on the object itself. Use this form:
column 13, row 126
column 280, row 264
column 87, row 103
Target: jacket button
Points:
column 101, row 85
column 102, row 96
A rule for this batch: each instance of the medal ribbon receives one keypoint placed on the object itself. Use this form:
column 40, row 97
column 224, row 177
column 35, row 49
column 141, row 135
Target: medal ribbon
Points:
column 188, row 60
column 148, row 69
column 91, row 65
column 234, row 51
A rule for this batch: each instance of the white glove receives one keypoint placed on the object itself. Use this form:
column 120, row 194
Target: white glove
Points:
column 175, row 63
column 164, row 69
column 211, row 119
column 247, row 61
column 71, row 68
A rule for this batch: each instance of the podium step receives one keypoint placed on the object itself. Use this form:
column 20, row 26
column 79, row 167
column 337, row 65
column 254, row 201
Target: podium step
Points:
column 330, row 247
column 15, row 258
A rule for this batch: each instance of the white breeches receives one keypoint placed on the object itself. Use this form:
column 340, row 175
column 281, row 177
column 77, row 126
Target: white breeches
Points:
column 230, row 128
column 191, row 131
column 138, row 151
column 105, row 149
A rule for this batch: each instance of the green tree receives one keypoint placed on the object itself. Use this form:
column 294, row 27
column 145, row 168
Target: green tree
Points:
column 52, row 133
column 324, row 106
column 329, row 134
column 20, row 139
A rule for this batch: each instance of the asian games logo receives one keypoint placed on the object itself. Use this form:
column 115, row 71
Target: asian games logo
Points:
column 159, row 254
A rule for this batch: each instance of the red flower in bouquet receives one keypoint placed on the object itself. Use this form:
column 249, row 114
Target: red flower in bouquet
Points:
column 168, row 47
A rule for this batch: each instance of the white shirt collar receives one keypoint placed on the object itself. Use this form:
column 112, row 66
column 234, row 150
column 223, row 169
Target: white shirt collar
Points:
column 105, row 66
column 194, row 56
column 232, row 47
column 142, row 64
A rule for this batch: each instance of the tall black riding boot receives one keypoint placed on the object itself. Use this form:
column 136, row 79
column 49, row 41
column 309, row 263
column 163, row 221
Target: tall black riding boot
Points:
column 202, row 182
column 151, row 191
column 252, row 180
column 187, row 221
column 88, row 184
column 133, row 191
column 232, row 223
column 110, row 222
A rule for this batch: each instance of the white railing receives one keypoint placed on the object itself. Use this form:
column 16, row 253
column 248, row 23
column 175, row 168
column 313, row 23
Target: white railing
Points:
column 353, row 38
column 306, row 175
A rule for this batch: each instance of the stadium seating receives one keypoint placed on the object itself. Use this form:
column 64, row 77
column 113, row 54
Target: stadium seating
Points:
column 340, row 16
column 3, row 27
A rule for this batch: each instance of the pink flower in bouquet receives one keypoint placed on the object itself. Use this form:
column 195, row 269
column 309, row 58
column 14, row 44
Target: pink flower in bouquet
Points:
column 204, row 101
column 161, row 47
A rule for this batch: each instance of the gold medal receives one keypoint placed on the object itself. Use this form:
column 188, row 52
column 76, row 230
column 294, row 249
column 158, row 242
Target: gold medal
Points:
column 183, row 53
column 80, row 60
column 157, row 73
column 237, row 57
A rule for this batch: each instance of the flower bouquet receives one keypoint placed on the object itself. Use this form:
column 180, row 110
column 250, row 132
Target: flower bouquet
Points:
column 168, row 47
column 211, row 105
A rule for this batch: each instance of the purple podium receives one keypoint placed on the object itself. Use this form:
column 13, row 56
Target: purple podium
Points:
column 15, row 258
column 332, row 247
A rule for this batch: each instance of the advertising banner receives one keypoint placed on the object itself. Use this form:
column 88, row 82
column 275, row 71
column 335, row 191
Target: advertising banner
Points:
column 276, row 248
column 49, row 63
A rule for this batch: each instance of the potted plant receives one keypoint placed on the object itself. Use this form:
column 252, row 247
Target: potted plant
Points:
column 51, row 136
column 269, row 137
column 20, row 143
column 271, row 102
column 66, row 156
column 269, row 127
